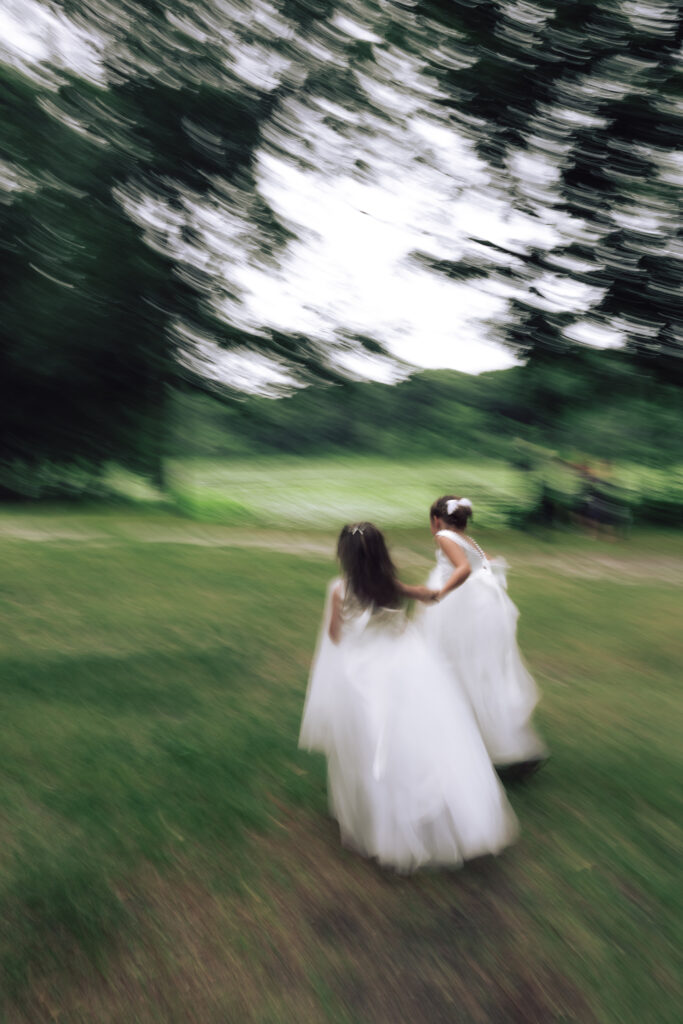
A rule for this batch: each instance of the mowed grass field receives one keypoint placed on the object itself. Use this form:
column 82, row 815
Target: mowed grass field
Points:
column 313, row 492
column 166, row 854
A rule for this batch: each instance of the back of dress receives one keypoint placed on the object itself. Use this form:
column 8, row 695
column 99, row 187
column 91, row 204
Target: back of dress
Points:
column 366, row 620
column 475, row 628
column 475, row 556
column 409, row 779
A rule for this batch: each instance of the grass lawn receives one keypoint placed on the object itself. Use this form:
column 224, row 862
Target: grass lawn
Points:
column 292, row 490
column 166, row 854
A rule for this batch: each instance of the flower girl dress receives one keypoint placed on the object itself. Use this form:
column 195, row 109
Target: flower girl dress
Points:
column 475, row 627
column 409, row 779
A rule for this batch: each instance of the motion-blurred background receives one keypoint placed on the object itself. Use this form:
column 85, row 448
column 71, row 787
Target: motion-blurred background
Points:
column 271, row 265
column 203, row 202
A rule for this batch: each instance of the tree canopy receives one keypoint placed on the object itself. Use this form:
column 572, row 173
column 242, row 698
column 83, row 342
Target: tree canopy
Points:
column 135, row 190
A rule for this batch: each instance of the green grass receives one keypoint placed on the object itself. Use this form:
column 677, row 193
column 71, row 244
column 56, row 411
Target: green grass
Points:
column 276, row 491
column 165, row 849
column 291, row 491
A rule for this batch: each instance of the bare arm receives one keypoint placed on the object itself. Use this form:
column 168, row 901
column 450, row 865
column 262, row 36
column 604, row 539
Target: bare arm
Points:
column 461, row 567
column 417, row 593
column 335, row 627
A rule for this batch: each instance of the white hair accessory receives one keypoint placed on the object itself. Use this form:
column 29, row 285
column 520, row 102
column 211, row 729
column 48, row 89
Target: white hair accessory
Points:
column 357, row 529
column 453, row 503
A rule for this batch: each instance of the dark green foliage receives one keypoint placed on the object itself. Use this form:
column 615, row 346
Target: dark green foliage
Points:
column 92, row 293
column 88, row 295
column 84, row 356
column 580, row 404
column 594, row 94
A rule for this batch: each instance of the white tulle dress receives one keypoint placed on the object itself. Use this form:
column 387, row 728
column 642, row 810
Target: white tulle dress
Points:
column 475, row 627
column 409, row 779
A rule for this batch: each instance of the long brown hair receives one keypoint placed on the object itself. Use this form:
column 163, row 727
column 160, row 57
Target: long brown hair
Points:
column 367, row 565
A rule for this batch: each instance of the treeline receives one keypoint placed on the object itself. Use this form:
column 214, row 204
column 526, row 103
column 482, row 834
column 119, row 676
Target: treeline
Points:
column 132, row 192
column 592, row 404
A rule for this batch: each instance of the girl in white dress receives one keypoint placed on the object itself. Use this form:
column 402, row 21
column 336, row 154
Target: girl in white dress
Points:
column 475, row 626
column 409, row 779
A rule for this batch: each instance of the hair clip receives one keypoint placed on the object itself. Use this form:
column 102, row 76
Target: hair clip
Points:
column 453, row 503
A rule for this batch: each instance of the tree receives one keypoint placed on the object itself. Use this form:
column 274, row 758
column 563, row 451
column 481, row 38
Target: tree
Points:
column 134, row 193
column 100, row 299
column 84, row 354
column 574, row 107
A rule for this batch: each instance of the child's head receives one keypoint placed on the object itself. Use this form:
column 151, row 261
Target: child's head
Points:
column 367, row 565
column 452, row 510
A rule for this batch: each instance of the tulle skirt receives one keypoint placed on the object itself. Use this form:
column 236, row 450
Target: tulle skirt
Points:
column 475, row 628
column 409, row 779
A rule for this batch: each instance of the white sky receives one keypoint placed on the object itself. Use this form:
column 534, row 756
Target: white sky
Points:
column 32, row 33
column 347, row 271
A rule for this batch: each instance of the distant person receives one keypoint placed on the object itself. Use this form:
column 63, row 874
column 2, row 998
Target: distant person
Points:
column 409, row 779
column 601, row 507
column 475, row 628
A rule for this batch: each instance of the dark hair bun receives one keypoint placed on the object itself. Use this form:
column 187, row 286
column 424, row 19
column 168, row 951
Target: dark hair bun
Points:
column 453, row 510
